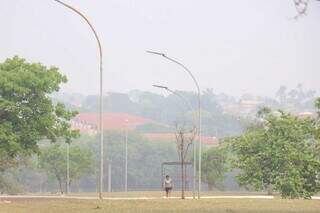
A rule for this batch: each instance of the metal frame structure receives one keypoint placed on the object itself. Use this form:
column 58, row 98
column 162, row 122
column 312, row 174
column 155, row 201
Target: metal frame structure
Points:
column 174, row 163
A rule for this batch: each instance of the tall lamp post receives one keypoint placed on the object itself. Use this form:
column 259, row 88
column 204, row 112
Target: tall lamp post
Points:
column 101, row 88
column 194, row 147
column 199, row 110
column 126, row 157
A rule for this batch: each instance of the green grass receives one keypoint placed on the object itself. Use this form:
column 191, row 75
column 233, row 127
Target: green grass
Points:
column 161, row 205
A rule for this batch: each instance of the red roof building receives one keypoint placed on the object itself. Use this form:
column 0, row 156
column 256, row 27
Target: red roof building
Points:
column 111, row 121
column 88, row 123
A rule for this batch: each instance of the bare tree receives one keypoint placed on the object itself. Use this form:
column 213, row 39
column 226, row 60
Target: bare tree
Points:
column 301, row 7
column 184, row 140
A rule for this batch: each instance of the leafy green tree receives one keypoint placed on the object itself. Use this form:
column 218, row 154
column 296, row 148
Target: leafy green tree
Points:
column 9, row 170
column 53, row 160
column 214, row 167
column 27, row 113
column 281, row 152
column 8, row 185
column 317, row 105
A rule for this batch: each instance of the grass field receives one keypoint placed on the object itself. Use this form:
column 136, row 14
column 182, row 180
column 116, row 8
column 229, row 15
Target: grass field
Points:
column 159, row 205
column 160, row 194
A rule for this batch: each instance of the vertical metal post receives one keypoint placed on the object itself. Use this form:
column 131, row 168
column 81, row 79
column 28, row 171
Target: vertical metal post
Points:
column 101, row 129
column 194, row 169
column 182, row 168
column 200, row 144
column 126, row 159
column 68, row 168
column 109, row 176
column 40, row 184
column 162, row 177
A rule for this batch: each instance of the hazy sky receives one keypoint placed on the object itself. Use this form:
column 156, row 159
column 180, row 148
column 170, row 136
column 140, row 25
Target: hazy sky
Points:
column 231, row 46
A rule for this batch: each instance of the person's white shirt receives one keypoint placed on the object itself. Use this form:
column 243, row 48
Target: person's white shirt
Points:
column 167, row 183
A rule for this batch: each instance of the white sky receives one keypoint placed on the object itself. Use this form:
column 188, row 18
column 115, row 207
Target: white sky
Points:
column 231, row 46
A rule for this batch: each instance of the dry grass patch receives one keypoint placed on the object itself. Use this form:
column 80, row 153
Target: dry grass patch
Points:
column 163, row 205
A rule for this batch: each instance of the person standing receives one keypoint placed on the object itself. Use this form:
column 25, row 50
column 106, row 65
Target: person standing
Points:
column 167, row 185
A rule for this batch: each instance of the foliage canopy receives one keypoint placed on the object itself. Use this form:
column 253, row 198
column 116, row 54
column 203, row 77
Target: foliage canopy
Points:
column 281, row 151
column 27, row 113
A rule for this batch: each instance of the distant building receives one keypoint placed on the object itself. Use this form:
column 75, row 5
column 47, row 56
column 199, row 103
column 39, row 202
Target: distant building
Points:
column 84, row 127
column 89, row 122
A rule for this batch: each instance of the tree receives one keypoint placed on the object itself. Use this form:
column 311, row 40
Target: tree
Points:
column 282, row 94
column 317, row 123
column 27, row 113
column 53, row 160
column 210, row 102
column 297, row 97
column 118, row 102
column 317, row 105
column 301, row 7
column 281, row 152
column 8, row 173
column 214, row 167
column 183, row 141
column 9, row 186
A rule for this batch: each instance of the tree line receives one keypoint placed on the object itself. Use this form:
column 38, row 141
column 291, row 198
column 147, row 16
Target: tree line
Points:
column 278, row 151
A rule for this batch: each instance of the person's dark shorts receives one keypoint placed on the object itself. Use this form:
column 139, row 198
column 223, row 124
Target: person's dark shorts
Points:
column 168, row 189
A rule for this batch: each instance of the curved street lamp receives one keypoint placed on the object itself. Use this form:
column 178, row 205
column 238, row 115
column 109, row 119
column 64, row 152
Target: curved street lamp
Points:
column 101, row 88
column 199, row 109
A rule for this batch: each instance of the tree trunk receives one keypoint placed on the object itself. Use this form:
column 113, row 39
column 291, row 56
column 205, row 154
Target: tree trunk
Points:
column 60, row 184
column 70, row 186
column 182, row 172
column 270, row 189
column 185, row 177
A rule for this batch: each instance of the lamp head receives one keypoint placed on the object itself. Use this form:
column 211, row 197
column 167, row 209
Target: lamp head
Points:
column 156, row 53
column 160, row 86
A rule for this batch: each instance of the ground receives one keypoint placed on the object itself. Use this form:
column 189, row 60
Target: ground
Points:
column 155, row 204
